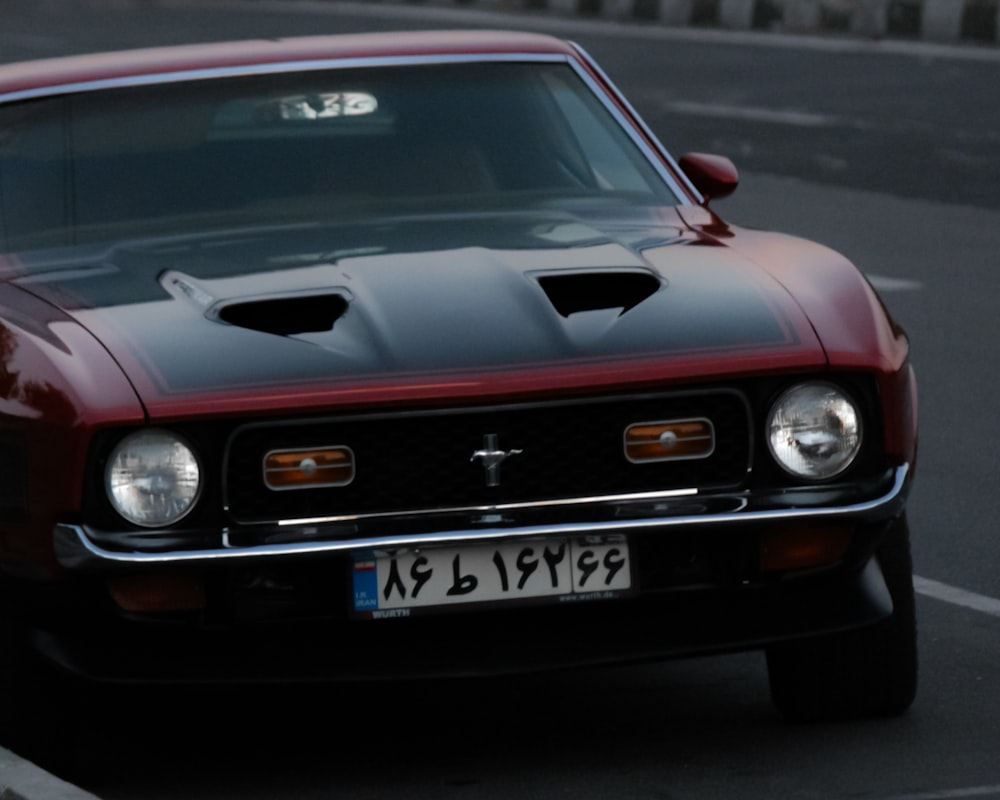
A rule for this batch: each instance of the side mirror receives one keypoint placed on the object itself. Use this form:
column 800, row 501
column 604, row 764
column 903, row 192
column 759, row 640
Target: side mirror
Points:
column 713, row 176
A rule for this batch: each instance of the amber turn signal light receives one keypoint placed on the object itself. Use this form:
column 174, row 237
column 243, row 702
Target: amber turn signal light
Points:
column 158, row 592
column 803, row 547
column 308, row 469
column 674, row 440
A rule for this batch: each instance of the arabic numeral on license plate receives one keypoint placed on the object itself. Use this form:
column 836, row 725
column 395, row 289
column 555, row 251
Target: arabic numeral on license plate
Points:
column 596, row 569
column 527, row 562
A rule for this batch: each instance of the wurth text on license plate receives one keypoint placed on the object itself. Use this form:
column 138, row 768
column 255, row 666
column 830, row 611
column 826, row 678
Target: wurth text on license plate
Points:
column 424, row 578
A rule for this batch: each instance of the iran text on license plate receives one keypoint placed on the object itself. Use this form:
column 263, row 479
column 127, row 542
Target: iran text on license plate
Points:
column 395, row 583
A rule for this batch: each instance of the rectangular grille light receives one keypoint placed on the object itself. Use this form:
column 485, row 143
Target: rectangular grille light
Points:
column 672, row 440
column 311, row 468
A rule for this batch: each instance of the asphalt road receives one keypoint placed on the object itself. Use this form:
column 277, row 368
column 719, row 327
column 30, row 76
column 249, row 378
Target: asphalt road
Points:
column 890, row 154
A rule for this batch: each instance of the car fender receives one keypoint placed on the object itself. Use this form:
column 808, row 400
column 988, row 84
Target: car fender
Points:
column 57, row 386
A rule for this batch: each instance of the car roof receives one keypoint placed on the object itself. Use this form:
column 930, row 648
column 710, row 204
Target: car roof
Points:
column 50, row 75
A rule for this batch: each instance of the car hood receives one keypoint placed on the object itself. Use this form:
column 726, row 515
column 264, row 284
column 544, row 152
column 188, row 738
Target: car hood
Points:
column 412, row 308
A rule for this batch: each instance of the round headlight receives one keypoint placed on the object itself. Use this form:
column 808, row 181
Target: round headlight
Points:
column 153, row 478
column 814, row 431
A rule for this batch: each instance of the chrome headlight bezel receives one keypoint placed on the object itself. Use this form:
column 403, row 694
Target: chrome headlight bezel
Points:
column 815, row 430
column 153, row 478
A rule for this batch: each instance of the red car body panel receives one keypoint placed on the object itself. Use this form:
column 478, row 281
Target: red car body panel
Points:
column 56, row 375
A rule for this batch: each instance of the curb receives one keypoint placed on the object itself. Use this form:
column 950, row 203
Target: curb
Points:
column 939, row 21
column 22, row 780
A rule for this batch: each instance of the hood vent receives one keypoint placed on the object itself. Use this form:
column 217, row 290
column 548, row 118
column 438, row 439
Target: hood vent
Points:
column 286, row 316
column 590, row 291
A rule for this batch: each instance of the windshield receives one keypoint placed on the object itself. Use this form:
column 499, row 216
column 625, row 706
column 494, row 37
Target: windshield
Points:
column 185, row 157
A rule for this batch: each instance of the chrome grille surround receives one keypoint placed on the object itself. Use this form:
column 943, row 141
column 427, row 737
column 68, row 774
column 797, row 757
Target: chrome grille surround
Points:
column 426, row 460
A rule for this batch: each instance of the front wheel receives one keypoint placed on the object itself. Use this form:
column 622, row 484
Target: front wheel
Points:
column 864, row 673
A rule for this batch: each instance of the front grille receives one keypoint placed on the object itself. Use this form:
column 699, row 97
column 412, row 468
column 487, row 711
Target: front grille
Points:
column 423, row 460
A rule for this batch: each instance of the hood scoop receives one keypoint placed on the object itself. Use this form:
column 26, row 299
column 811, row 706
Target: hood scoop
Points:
column 286, row 316
column 282, row 314
column 572, row 293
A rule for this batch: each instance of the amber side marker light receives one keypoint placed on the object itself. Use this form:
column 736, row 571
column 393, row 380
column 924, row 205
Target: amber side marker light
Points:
column 158, row 592
column 674, row 440
column 803, row 547
column 308, row 468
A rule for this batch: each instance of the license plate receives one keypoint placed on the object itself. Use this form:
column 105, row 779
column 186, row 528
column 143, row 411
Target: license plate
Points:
column 393, row 584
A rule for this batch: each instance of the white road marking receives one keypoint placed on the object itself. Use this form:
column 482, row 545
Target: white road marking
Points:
column 950, row 794
column 885, row 284
column 801, row 119
column 29, row 39
column 958, row 597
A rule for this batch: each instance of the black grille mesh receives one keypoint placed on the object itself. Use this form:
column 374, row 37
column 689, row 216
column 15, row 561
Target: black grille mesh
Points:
column 422, row 460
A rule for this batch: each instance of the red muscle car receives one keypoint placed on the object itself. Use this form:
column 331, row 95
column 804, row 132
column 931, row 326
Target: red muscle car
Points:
column 418, row 355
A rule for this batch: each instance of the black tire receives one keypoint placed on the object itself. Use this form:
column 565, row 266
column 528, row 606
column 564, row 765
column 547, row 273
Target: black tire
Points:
column 864, row 673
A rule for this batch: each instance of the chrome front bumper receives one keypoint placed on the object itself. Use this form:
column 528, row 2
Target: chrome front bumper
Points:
column 80, row 548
